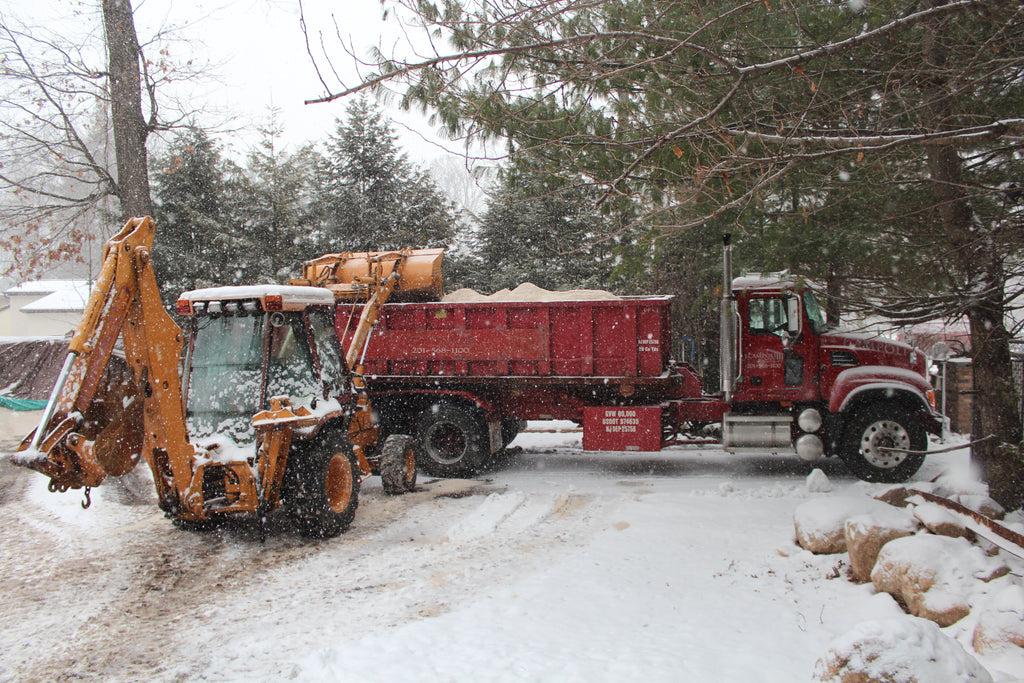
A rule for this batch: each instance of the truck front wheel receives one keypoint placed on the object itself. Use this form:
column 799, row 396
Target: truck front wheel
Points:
column 872, row 432
column 453, row 441
column 324, row 487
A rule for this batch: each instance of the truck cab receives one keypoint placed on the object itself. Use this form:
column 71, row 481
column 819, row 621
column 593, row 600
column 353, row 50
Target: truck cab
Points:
column 778, row 340
column 800, row 385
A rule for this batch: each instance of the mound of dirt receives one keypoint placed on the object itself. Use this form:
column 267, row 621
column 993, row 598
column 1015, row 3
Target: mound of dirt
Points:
column 528, row 292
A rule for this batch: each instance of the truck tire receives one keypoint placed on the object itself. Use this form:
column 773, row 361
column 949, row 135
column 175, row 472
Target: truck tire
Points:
column 510, row 430
column 398, row 464
column 453, row 441
column 883, row 426
column 324, row 487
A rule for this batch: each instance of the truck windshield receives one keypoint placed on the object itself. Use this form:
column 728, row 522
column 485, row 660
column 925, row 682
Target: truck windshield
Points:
column 814, row 314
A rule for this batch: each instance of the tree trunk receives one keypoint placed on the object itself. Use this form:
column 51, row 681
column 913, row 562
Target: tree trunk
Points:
column 994, row 404
column 130, row 128
column 833, row 295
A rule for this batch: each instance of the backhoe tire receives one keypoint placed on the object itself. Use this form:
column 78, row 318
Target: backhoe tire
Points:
column 452, row 441
column 880, row 426
column 324, row 488
column 196, row 525
column 398, row 464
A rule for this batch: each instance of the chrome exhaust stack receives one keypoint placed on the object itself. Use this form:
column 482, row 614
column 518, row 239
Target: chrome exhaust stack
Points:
column 727, row 325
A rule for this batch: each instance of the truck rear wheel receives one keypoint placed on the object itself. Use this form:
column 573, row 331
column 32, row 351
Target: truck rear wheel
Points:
column 398, row 464
column 324, row 489
column 873, row 430
column 453, row 441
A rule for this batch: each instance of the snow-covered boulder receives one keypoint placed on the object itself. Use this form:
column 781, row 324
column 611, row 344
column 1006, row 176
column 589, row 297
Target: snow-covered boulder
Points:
column 820, row 524
column 1001, row 621
column 982, row 504
column 934, row 576
column 866, row 534
column 903, row 649
column 896, row 496
column 941, row 521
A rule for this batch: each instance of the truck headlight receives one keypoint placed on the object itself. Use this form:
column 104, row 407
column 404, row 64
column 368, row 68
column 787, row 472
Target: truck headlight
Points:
column 809, row 447
column 809, row 420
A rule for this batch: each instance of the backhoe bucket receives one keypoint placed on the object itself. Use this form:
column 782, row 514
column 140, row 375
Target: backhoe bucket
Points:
column 353, row 275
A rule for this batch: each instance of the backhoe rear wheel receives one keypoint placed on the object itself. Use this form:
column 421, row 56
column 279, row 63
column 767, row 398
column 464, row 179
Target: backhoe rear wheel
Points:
column 324, row 492
column 398, row 464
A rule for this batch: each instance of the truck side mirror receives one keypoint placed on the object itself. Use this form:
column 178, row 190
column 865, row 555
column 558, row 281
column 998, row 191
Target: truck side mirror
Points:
column 793, row 316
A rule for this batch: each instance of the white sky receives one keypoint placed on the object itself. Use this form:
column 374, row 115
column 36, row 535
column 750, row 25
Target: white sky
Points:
column 259, row 52
column 257, row 57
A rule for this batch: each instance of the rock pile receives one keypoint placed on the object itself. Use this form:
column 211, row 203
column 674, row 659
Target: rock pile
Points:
column 927, row 558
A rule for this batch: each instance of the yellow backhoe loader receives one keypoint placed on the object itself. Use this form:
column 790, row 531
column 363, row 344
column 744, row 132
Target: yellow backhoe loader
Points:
column 264, row 410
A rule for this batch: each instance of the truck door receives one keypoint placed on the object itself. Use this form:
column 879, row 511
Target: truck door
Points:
column 778, row 354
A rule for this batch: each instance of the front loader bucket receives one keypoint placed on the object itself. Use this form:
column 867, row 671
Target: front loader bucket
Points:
column 352, row 275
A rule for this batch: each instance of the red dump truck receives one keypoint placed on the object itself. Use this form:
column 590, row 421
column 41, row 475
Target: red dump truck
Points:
column 463, row 376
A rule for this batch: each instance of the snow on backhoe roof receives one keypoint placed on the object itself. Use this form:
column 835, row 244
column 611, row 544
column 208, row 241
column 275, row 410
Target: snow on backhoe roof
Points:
column 294, row 294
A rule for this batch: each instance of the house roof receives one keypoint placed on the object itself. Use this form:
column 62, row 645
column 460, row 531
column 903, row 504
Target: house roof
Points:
column 46, row 286
column 55, row 295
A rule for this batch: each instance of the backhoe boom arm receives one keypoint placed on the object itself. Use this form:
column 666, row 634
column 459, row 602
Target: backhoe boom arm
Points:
column 75, row 446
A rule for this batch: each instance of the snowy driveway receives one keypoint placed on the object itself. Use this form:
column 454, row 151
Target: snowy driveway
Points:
column 562, row 566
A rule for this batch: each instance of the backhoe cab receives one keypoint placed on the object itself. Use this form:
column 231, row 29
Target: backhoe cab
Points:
column 263, row 415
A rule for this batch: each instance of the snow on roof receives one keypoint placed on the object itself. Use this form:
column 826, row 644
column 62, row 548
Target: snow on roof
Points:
column 766, row 281
column 46, row 286
column 293, row 293
column 66, row 299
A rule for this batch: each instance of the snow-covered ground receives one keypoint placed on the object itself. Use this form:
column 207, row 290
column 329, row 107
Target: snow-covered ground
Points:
column 560, row 566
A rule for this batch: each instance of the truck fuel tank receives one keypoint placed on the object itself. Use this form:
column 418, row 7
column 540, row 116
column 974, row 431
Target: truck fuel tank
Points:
column 756, row 433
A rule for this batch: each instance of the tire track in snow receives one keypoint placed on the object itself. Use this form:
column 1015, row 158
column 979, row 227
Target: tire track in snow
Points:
column 117, row 593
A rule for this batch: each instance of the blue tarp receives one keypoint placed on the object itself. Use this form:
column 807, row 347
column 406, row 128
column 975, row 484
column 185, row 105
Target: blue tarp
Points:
column 21, row 403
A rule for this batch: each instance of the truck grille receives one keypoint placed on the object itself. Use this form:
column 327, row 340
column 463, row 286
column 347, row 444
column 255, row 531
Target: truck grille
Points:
column 843, row 359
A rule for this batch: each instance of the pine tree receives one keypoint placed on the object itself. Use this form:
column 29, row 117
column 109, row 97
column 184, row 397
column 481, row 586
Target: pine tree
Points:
column 270, row 203
column 194, row 245
column 544, row 230
column 370, row 196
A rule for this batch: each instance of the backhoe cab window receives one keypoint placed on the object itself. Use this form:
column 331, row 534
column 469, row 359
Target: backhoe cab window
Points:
column 289, row 365
column 226, row 375
column 325, row 338
column 225, row 387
